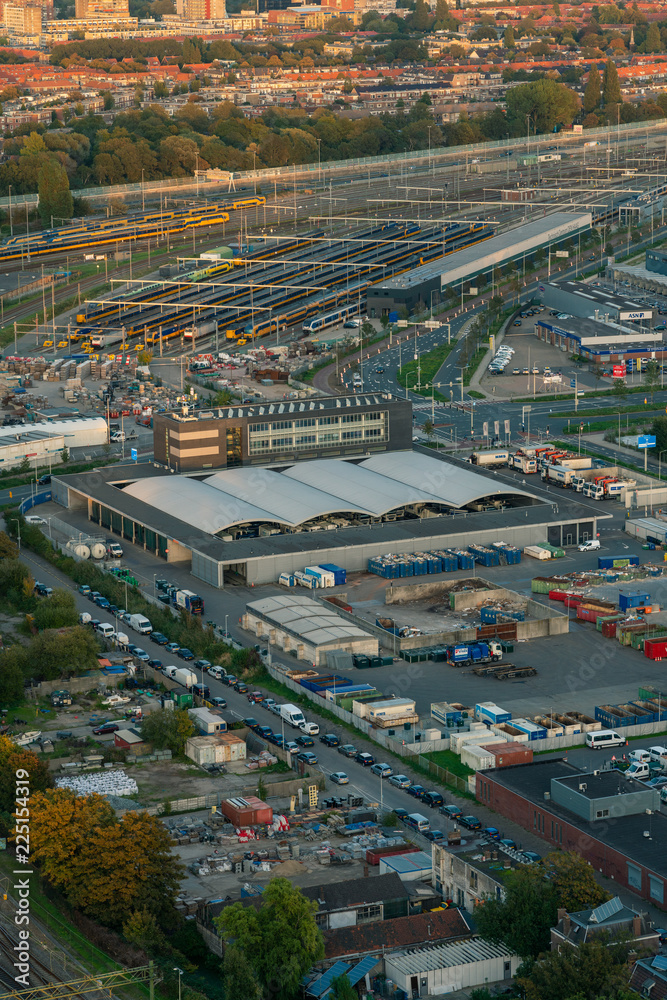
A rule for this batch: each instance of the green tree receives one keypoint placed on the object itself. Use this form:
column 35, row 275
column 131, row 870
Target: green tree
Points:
column 141, row 928
column 168, row 730
column 653, row 41
column 58, row 611
column 239, row 980
column 592, row 970
column 659, row 428
column 611, row 88
column 342, row 989
column 592, row 92
column 281, row 940
column 573, row 878
column 508, row 38
column 24, row 466
column 547, row 102
column 652, row 377
column 12, row 663
column 60, row 654
column 619, row 388
column 64, row 455
column 524, row 918
column 55, row 199
column 428, row 429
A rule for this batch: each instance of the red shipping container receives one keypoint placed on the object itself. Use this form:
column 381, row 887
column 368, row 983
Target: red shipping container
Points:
column 557, row 595
column 508, row 754
column 590, row 614
column 655, row 649
column 248, row 811
column 573, row 601
column 609, row 630
column 373, row 854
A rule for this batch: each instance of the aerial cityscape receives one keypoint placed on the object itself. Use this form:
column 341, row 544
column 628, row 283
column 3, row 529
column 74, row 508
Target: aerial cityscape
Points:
column 300, row 303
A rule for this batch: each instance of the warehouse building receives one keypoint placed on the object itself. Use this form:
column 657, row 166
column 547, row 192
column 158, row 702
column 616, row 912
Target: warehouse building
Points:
column 419, row 288
column 290, row 430
column 593, row 302
column 305, row 628
column 78, row 432
column 450, row 967
column 599, row 340
column 37, row 446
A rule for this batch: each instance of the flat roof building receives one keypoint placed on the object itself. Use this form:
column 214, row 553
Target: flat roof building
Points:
column 593, row 302
column 597, row 339
column 417, row 286
column 290, row 430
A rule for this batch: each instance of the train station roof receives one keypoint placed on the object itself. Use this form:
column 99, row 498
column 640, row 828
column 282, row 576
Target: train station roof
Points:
column 308, row 491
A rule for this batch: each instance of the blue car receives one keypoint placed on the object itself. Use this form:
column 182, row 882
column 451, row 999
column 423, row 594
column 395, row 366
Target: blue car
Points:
column 140, row 654
column 159, row 638
column 417, row 790
column 491, row 832
column 186, row 654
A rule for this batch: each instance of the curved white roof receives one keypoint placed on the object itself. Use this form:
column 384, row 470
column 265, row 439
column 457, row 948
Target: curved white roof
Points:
column 374, row 487
column 448, row 484
column 307, row 619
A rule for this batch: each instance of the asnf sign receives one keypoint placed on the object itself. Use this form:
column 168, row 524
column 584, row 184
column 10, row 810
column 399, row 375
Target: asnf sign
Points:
column 639, row 314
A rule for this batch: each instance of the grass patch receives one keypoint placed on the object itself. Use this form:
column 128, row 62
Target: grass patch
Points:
column 476, row 395
column 451, row 762
column 593, row 426
column 425, row 369
column 607, row 411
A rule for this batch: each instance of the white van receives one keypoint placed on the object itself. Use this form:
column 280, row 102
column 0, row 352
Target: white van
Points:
column 418, row 822
column 604, row 738
column 658, row 755
column 105, row 629
column 590, row 546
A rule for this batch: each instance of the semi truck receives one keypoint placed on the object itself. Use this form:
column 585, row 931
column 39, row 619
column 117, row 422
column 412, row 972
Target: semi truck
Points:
column 490, row 459
column 478, row 652
column 189, row 601
column 523, row 462
column 604, row 488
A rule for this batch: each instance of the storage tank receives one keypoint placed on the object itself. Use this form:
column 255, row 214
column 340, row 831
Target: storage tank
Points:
column 97, row 550
column 82, row 551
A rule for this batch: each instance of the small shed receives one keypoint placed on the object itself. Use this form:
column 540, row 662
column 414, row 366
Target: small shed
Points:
column 248, row 811
column 207, row 722
column 506, row 754
column 460, row 965
column 408, row 867
column 128, row 739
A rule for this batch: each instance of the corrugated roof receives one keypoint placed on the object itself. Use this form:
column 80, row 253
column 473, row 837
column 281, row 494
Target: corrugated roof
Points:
column 445, row 956
column 306, row 619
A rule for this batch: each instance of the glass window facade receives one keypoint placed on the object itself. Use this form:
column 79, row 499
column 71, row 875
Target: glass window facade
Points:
column 306, row 433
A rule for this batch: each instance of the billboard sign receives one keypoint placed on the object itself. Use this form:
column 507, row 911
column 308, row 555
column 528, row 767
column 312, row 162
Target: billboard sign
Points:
column 618, row 371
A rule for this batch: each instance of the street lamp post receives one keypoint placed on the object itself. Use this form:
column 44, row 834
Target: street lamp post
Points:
column 180, row 973
column 226, row 629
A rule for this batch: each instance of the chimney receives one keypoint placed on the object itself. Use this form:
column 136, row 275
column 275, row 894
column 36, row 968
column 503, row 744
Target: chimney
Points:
column 636, row 926
column 566, row 923
column 562, row 913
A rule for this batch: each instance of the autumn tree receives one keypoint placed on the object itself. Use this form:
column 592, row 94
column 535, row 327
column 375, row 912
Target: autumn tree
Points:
column 55, row 199
column 168, row 730
column 573, row 878
column 12, row 759
column 108, row 868
column 611, row 88
column 592, row 92
column 592, row 970
column 8, row 548
column 141, row 928
column 281, row 940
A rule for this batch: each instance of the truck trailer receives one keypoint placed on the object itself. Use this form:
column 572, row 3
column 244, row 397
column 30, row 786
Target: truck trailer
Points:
column 490, row 459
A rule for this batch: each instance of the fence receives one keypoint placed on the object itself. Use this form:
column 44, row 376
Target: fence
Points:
column 362, row 163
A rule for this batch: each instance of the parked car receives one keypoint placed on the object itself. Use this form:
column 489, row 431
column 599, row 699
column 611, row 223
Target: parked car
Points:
column 433, row 799
column 347, row 750
column 251, row 723
column 265, row 732
column 365, row 759
column 340, row 778
column 330, row 740
column 452, row 812
column 229, row 679
column 241, row 687
column 306, row 757
column 204, row 665
column 218, row 702
column 305, row 741
column 155, row 664
column 140, row 654
column 401, row 815
column 202, row 690
column 292, row 746
column 382, row 770
column 418, row 791
column 491, row 832
column 255, row 697
column 160, row 639
column 436, row 835
column 171, row 647
column 186, row 654
column 508, row 842
column 531, row 856
column 400, row 780
column 107, row 727
column 470, row 822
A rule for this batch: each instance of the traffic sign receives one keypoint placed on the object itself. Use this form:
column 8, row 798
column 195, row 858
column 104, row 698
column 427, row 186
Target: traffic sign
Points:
column 134, row 454
column 573, row 383
column 646, row 441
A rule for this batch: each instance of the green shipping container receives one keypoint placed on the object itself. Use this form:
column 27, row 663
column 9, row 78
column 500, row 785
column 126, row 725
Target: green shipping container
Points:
column 539, row 585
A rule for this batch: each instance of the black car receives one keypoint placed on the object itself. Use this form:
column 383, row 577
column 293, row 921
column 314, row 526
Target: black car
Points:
column 241, row 687
column 251, row 724
column 471, row 822
column 204, row 665
column 155, row 664
column 93, row 595
column 305, row 741
column 365, row 759
column 265, row 732
column 202, row 690
column 348, row 750
column 44, row 480
column 186, row 654
column 418, row 791
column 159, row 638
column 401, row 814
column 433, row 799
column 330, row 740
column 229, row 679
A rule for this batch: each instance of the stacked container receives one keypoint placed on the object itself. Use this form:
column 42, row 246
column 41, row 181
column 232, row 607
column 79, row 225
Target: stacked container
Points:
column 484, row 555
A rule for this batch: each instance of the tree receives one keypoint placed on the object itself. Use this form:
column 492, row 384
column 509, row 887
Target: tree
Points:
column 108, row 868
column 142, row 929
column 11, row 678
column 8, row 549
column 14, row 759
column 168, row 730
column 573, row 878
column 611, row 88
column 58, row 611
column 239, row 980
column 55, row 199
column 592, row 92
column 652, row 377
column 547, row 102
column 281, row 939
column 508, row 38
column 342, row 989
column 659, row 429
column 619, row 388
column 524, row 918
column 64, row 455
column 589, row 971
column 653, row 41
column 428, row 429
column 24, row 466
column 62, row 653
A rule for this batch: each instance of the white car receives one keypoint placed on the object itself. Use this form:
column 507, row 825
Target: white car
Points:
column 590, row 546
column 34, row 519
column 658, row 754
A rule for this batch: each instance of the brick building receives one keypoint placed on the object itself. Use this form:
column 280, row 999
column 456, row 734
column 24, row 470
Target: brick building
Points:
column 612, row 821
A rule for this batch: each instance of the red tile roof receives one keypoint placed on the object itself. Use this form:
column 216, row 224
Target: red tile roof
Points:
column 402, row 932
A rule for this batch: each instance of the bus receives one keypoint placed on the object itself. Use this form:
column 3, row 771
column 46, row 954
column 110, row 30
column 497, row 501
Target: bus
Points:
column 332, row 318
